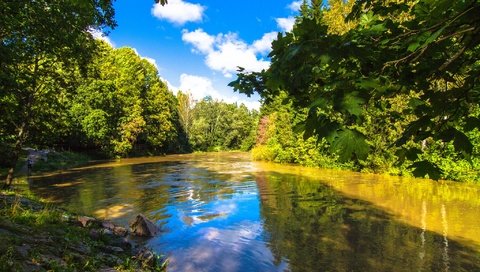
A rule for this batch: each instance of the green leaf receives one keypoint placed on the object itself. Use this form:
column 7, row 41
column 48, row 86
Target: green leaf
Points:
column 462, row 143
column 371, row 83
column 353, row 104
column 424, row 168
column 350, row 144
column 447, row 135
column 412, row 153
column 472, row 123
column 293, row 51
column 415, row 102
column 433, row 37
column 378, row 27
column 413, row 46
column 416, row 128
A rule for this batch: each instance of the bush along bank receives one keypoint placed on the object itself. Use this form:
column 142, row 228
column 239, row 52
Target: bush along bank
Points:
column 39, row 237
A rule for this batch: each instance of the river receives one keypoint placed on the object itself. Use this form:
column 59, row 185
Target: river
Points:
column 223, row 212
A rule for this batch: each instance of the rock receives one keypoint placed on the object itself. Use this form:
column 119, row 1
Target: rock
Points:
column 82, row 249
column 86, row 221
column 49, row 260
column 23, row 250
column 119, row 231
column 146, row 257
column 43, row 240
column 108, row 225
column 141, row 226
column 106, row 232
column 121, row 242
column 113, row 249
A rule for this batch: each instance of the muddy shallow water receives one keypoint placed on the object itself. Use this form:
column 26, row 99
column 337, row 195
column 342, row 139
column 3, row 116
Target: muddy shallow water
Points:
column 223, row 212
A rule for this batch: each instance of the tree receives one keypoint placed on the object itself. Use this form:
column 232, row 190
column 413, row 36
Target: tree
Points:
column 162, row 2
column 37, row 41
column 185, row 107
column 122, row 102
column 428, row 47
column 217, row 125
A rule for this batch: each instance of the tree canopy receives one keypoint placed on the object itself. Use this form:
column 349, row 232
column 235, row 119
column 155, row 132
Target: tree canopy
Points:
column 425, row 52
column 39, row 42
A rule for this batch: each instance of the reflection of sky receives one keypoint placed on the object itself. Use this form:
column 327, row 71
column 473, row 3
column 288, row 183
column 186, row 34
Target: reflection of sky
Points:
column 219, row 235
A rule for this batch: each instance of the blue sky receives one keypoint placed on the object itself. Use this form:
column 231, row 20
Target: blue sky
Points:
column 197, row 44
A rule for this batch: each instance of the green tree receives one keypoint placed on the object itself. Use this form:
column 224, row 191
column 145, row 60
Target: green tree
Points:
column 36, row 41
column 396, row 48
column 185, row 107
column 217, row 125
column 123, row 103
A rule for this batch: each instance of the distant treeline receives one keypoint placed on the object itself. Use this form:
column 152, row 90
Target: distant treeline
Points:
column 119, row 106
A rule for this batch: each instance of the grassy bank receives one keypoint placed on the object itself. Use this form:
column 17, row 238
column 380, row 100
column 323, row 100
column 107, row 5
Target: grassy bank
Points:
column 37, row 236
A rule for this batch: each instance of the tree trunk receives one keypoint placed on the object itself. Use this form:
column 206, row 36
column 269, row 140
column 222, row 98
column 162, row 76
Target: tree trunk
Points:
column 16, row 155
column 25, row 123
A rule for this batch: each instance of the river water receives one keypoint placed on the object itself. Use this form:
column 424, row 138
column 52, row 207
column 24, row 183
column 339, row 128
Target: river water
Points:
column 223, row 212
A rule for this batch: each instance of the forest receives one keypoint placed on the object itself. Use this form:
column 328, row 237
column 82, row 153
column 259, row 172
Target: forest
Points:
column 372, row 86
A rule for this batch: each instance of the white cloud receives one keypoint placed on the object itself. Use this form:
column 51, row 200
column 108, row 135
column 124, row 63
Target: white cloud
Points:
column 179, row 12
column 285, row 24
column 295, row 5
column 199, row 39
column 264, row 45
column 253, row 105
column 231, row 53
column 200, row 87
column 98, row 34
column 225, row 52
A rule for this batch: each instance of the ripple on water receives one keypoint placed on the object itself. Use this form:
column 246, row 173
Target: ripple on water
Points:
column 221, row 212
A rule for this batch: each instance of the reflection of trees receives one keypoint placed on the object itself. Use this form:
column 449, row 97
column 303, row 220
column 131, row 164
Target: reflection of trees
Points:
column 120, row 190
column 315, row 228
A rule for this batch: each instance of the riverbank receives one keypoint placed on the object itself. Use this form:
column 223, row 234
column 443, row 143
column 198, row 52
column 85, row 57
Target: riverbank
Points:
column 37, row 236
column 46, row 161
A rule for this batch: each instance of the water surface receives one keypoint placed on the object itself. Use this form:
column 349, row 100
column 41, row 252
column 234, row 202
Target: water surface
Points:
column 223, row 212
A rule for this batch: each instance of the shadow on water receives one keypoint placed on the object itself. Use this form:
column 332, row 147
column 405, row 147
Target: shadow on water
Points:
column 219, row 213
column 317, row 229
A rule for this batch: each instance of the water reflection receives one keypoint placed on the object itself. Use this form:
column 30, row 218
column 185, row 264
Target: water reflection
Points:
column 314, row 227
column 221, row 212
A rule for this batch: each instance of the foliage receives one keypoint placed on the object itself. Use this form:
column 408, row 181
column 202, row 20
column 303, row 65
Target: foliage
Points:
column 278, row 139
column 123, row 101
column 406, row 71
column 216, row 125
column 40, row 43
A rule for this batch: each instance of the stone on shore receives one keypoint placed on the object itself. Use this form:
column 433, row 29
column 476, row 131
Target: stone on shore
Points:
column 141, row 226
column 86, row 221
